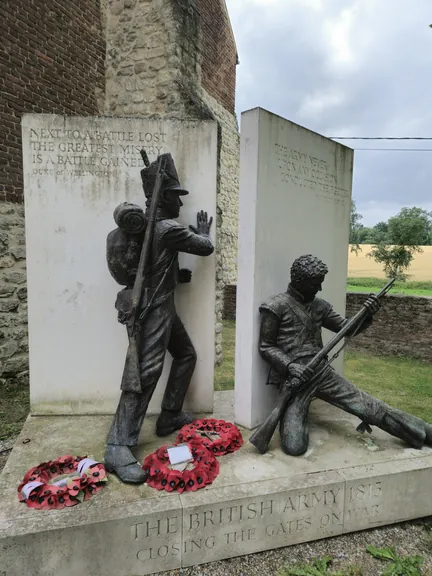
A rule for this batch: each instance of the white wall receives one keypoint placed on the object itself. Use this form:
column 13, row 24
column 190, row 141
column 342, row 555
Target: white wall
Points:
column 77, row 347
column 295, row 195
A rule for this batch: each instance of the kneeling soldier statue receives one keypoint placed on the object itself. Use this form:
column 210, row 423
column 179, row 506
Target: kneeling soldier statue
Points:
column 291, row 343
column 142, row 255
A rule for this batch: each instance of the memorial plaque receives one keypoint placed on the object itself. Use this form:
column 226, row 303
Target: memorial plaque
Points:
column 76, row 171
column 273, row 515
column 295, row 198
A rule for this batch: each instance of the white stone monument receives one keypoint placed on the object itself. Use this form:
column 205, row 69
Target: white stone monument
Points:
column 295, row 197
column 76, row 171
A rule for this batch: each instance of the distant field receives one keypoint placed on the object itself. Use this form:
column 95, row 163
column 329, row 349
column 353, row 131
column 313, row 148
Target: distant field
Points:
column 410, row 288
column 363, row 267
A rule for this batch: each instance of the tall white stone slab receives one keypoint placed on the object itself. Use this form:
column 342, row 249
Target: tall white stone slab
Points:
column 76, row 171
column 295, row 196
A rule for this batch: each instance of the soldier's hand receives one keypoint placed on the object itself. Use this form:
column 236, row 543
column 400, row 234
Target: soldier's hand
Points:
column 372, row 304
column 185, row 275
column 203, row 224
column 123, row 317
column 300, row 372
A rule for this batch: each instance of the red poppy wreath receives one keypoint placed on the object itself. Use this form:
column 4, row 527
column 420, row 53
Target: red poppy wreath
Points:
column 37, row 491
column 161, row 476
column 218, row 436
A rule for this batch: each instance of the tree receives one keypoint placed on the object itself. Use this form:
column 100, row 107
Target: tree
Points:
column 406, row 233
column 355, row 228
column 379, row 233
column 411, row 227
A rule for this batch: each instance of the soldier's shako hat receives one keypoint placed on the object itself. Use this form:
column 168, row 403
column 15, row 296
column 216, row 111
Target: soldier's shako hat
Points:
column 171, row 180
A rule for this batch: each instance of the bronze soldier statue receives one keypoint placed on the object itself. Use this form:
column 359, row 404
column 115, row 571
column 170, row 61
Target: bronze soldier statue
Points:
column 290, row 337
column 160, row 328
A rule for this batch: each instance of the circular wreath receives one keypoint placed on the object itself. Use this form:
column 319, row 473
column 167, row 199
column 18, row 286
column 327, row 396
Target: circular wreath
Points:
column 218, row 436
column 161, row 476
column 37, row 491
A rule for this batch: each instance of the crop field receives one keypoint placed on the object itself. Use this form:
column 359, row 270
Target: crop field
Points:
column 361, row 266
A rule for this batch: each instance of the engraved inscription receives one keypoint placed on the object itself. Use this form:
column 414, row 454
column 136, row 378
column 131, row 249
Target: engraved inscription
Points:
column 147, row 534
column 306, row 171
column 296, row 514
column 363, row 501
column 63, row 152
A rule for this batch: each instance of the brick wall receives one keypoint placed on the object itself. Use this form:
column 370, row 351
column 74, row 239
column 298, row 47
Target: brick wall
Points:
column 219, row 52
column 52, row 61
column 403, row 327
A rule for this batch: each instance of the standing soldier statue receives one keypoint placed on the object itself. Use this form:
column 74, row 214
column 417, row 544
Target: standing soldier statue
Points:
column 142, row 255
column 291, row 343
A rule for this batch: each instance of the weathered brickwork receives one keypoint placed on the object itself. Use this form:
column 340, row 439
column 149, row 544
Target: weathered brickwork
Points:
column 220, row 53
column 52, row 61
column 403, row 327
column 177, row 59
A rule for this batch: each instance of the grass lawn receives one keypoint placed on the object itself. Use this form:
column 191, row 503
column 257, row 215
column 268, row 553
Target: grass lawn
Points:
column 369, row 285
column 405, row 384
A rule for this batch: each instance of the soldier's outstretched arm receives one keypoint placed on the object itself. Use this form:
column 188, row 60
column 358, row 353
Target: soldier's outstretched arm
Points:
column 190, row 240
column 335, row 322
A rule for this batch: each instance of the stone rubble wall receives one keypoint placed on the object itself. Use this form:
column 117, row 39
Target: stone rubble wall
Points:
column 227, row 211
column 403, row 327
column 13, row 293
column 177, row 59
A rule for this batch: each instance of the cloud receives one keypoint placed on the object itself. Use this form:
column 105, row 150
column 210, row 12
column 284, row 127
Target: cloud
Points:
column 346, row 68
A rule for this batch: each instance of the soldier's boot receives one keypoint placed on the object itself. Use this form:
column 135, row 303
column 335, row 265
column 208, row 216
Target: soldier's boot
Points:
column 119, row 459
column 428, row 430
column 168, row 422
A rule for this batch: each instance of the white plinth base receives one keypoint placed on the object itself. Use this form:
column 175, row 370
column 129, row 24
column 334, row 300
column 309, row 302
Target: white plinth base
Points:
column 344, row 483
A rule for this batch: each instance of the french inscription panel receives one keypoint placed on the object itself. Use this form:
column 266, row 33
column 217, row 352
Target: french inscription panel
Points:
column 91, row 152
column 249, row 525
column 308, row 172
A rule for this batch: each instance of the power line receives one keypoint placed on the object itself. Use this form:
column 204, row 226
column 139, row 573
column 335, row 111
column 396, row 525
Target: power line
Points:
column 396, row 149
column 380, row 138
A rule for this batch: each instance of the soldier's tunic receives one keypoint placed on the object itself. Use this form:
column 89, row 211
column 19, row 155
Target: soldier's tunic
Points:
column 291, row 333
column 161, row 330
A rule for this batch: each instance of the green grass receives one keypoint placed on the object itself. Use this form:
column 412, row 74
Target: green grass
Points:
column 224, row 374
column 374, row 284
column 403, row 383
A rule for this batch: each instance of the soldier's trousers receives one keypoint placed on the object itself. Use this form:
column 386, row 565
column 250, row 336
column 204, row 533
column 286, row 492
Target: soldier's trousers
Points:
column 336, row 390
column 163, row 332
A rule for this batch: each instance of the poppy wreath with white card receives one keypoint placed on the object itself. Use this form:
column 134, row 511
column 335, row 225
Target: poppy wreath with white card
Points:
column 193, row 474
column 219, row 436
column 82, row 479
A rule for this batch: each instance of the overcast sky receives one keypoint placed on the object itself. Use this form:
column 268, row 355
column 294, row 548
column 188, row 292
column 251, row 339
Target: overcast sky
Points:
column 347, row 68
